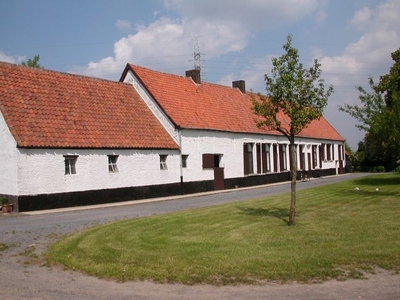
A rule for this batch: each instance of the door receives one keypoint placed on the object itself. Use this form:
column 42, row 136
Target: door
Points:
column 219, row 179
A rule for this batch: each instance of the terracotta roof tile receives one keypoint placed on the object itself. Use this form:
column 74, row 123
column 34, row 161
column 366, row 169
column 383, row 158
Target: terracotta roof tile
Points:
column 213, row 107
column 58, row 110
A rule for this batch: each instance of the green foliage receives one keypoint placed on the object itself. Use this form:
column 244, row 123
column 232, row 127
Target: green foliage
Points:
column 292, row 89
column 33, row 63
column 341, row 232
column 3, row 247
column 378, row 169
column 379, row 116
column 397, row 170
column 4, row 201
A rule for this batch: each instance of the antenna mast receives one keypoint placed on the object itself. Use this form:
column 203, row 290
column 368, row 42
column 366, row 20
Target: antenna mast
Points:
column 197, row 55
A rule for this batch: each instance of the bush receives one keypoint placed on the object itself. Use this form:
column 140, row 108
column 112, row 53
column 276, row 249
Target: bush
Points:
column 397, row 170
column 379, row 169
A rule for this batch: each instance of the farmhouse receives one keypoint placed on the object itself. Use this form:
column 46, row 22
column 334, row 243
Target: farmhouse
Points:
column 71, row 140
column 221, row 146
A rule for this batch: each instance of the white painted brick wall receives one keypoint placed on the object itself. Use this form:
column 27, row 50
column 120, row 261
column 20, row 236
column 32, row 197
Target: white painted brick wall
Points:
column 42, row 171
column 8, row 160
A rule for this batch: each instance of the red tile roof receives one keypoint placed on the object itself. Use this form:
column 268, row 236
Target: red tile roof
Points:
column 213, row 107
column 49, row 109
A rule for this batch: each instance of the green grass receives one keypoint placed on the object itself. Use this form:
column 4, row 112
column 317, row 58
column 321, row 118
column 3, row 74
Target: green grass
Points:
column 340, row 233
column 3, row 247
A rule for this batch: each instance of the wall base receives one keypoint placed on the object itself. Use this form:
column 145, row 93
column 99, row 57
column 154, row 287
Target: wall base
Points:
column 73, row 199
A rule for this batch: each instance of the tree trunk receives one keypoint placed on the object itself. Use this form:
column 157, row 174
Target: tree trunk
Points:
column 293, row 171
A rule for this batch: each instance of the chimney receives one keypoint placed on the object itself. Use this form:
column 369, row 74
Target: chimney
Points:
column 195, row 74
column 240, row 84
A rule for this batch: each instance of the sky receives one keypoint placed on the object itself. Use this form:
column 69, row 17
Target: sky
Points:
column 352, row 39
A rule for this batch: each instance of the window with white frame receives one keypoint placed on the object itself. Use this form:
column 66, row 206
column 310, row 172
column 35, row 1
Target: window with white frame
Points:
column 328, row 152
column 112, row 163
column 70, row 164
column 163, row 162
column 314, row 156
column 267, row 149
column 248, row 158
column 283, row 157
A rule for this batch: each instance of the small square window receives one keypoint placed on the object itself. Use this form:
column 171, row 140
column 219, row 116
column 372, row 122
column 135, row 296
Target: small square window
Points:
column 184, row 161
column 163, row 162
column 112, row 163
column 70, row 164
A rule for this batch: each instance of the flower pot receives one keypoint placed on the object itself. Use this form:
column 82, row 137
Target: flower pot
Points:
column 7, row 208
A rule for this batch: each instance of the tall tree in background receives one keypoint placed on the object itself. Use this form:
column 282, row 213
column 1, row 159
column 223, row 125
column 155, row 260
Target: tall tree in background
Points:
column 297, row 92
column 379, row 116
column 33, row 63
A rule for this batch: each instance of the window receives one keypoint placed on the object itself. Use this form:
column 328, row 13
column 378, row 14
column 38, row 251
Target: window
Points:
column 282, row 158
column 267, row 158
column 211, row 161
column 328, row 152
column 302, row 157
column 163, row 162
column 248, row 158
column 112, row 163
column 184, row 161
column 70, row 164
column 314, row 156
column 322, row 152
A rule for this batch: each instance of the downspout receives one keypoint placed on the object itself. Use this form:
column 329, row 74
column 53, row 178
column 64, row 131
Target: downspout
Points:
column 180, row 159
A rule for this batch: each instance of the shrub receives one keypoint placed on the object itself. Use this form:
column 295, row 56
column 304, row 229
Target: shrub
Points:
column 379, row 169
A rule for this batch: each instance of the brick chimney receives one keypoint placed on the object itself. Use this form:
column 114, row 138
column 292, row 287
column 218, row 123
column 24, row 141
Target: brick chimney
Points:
column 195, row 74
column 240, row 84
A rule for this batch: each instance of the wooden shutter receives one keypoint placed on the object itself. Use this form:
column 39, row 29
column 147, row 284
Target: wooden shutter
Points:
column 245, row 160
column 258, row 148
column 208, row 161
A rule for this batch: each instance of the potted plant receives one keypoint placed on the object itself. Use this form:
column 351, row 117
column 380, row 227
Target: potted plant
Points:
column 6, row 206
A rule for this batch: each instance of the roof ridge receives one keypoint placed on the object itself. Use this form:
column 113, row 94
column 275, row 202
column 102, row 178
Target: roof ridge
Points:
column 64, row 73
column 182, row 77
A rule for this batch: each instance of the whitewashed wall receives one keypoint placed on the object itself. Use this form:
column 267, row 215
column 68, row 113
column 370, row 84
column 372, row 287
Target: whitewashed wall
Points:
column 8, row 160
column 230, row 145
column 42, row 171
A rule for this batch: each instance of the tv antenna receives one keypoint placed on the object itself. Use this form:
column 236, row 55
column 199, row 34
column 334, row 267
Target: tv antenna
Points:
column 197, row 55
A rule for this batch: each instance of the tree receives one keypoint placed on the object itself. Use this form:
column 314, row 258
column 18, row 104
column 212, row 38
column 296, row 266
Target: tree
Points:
column 33, row 63
column 297, row 92
column 379, row 116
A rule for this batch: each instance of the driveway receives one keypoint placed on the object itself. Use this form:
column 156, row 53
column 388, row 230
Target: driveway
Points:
column 24, row 276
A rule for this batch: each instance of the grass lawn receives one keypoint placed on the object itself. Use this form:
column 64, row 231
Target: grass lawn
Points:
column 340, row 233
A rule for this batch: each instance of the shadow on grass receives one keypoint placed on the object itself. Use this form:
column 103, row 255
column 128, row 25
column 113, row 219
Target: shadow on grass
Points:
column 274, row 212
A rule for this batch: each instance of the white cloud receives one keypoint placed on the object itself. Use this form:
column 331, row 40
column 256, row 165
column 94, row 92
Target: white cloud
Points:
column 362, row 16
column 123, row 24
column 369, row 56
column 222, row 26
column 11, row 59
column 167, row 42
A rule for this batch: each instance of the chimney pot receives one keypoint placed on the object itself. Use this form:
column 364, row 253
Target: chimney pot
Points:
column 240, row 84
column 195, row 74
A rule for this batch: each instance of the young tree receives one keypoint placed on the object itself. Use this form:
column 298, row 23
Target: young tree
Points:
column 33, row 63
column 297, row 92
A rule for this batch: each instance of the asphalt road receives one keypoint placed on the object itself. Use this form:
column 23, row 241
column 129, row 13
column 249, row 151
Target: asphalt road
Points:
column 28, row 234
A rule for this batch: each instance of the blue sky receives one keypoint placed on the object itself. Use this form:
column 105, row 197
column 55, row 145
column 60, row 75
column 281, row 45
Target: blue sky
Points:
column 352, row 40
